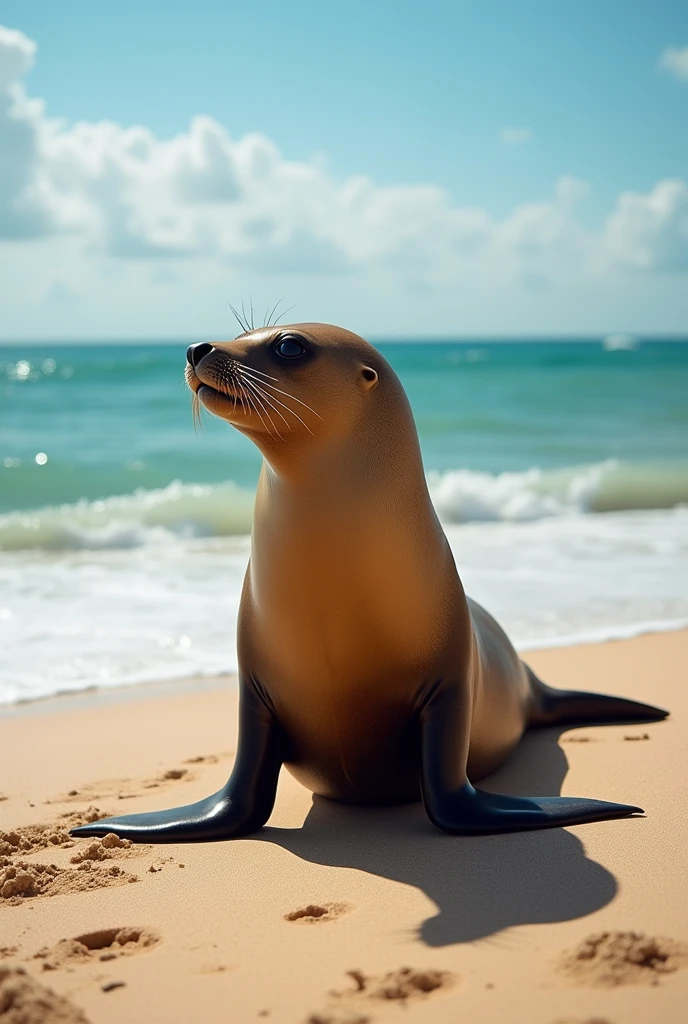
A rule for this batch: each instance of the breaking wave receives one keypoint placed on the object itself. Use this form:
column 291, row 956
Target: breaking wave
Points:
column 460, row 496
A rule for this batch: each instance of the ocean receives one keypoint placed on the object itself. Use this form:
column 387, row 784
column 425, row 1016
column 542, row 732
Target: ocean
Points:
column 559, row 469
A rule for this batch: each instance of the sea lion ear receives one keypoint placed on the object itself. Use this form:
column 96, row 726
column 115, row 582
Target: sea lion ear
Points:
column 369, row 377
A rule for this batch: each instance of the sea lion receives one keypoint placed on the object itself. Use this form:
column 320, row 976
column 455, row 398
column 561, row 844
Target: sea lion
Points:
column 363, row 667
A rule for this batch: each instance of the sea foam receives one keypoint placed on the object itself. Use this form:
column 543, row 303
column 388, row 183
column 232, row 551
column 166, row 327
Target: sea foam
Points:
column 460, row 496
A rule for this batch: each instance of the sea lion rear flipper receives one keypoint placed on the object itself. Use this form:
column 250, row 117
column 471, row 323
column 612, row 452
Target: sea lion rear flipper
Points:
column 454, row 805
column 470, row 812
column 577, row 707
column 243, row 805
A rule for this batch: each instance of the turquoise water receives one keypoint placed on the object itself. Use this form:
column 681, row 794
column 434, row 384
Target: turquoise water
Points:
column 559, row 471
column 112, row 419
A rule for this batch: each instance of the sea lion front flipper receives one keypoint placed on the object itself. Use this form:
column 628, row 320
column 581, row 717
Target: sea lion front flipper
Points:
column 243, row 805
column 454, row 805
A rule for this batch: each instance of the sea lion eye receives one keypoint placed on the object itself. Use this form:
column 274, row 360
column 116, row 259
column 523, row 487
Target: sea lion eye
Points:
column 290, row 346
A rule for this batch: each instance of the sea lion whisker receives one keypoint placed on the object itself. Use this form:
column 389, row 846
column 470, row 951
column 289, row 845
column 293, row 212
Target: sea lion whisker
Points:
column 287, row 395
column 272, row 312
column 239, row 397
column 277, row 319
column 262, row 405
column 253, row 370
column 294, row 414
column 196, row 412
column 266, row 398
column 252, row 405
column 244, row 326
column 271, row 399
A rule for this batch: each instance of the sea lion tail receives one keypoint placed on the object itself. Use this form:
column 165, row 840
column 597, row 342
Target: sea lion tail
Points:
column 578, row 707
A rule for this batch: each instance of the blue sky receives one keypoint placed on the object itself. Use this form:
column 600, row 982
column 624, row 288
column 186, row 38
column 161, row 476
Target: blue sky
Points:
column 487, row 105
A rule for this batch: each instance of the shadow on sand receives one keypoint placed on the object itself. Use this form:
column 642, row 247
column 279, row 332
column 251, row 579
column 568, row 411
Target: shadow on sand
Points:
column 481, row 885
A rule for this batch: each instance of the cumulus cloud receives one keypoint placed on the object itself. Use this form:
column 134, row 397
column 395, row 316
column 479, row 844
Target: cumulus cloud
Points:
column 516, row 136
column 17, row 54
column 675, row 61
column 650, row 232
column 129, row 195
column 21, row 212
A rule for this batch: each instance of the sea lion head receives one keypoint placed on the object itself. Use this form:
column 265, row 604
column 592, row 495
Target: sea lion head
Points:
column 288, row 385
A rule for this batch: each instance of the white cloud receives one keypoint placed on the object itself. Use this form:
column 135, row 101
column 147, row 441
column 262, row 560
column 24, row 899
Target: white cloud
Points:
column 113, row 208
column 675, row 61
column 17, row 54
column 650, row 232
column 21, row 213
column 516, row 136
column 570, row 190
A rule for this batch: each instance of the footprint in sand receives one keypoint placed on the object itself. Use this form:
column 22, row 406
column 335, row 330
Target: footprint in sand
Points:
column 588, row 1020
column 104, row 945
column 610, row 959
column 123, row 789
column 402, row 987
column 24, row 999
column 316, row 912
column 338, row 1016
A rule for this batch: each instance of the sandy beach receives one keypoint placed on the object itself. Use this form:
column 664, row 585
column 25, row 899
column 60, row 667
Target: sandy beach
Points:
column 315, row 918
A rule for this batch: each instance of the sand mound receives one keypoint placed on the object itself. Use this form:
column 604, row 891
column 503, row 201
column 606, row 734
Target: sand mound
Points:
column 30, row 838
column 106, row 944
column 24, row 880
column 25, row 1001
column 102, row 849
column 609, row 959
column 33, row 837
column 20, row 879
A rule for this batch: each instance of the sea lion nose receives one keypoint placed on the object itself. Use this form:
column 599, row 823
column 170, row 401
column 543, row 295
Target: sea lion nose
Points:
column 195, row 353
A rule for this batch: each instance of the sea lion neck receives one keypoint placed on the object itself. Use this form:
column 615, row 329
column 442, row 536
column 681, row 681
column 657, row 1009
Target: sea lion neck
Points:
column 364, row 457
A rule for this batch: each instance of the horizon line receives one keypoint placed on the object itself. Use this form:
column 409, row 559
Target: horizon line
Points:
column 444, row 339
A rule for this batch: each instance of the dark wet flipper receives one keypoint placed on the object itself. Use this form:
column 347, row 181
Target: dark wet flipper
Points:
column 472, row 812
column 242, row 806
column 577, row 707
column 212, row 819
column 454, row 805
